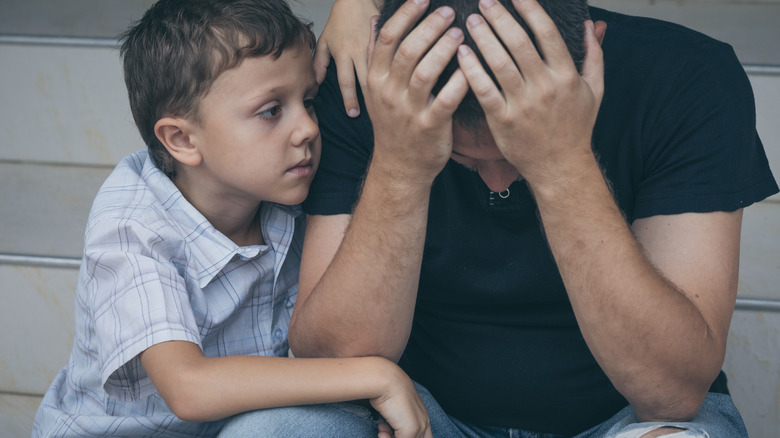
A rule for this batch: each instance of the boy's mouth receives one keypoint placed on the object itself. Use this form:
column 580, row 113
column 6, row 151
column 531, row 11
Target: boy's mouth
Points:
column 302, row 168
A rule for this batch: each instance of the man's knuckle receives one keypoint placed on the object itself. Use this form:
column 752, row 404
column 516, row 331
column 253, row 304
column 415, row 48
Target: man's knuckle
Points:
column 407, row 52
column 385, row 37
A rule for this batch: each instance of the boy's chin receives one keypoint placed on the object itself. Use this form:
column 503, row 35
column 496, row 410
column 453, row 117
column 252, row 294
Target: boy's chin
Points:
column 294, row 198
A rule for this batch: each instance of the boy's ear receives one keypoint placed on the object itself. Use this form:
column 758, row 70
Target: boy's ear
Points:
column 175, row 134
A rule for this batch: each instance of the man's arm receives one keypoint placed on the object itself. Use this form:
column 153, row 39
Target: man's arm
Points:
column 654, row 304
column 356, row 296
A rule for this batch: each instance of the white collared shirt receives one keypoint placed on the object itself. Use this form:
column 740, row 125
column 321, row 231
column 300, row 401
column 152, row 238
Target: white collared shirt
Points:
column 155, row 270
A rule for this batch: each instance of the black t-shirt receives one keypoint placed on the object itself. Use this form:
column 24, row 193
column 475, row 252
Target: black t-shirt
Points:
column 494, row 336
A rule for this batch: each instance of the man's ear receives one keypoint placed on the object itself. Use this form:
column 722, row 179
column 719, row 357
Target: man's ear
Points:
column 176, row 135
column 600, row 29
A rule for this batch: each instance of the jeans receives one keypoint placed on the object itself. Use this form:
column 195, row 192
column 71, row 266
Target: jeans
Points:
column 718, row 418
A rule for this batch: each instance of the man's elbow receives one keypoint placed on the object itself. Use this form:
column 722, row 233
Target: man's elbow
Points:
column 331, row 345
column 679, row 406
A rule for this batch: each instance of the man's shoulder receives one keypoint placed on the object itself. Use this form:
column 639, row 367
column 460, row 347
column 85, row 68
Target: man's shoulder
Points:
column 631, row 38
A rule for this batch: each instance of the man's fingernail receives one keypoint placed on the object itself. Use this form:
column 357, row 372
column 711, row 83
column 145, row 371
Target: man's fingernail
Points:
column 353, row 112
column 487, row 3
column 446, row 12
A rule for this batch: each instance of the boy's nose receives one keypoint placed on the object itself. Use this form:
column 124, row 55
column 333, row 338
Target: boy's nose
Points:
column 306, row 131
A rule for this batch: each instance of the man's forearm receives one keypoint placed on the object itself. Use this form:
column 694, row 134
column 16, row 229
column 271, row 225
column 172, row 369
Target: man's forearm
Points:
column 647, row 335
column 364, row 302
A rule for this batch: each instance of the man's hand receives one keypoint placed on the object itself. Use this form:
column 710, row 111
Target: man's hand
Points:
column 413, row 129
column 542, row 118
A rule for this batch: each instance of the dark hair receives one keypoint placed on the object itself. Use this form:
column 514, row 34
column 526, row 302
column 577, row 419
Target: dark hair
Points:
column 569, row 16
column 177, row 50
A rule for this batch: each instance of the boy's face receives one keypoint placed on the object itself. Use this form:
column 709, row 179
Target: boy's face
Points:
column 258, row 135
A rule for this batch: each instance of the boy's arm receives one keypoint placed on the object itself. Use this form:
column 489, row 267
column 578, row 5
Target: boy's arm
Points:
column 345, row 38
column 199, row 388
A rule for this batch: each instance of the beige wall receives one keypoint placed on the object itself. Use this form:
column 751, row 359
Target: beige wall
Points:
column 64, row 123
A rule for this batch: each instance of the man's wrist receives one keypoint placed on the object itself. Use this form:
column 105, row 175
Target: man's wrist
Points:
column 564, row 177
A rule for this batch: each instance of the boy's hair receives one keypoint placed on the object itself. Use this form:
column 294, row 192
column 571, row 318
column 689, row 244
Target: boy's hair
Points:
column 569, row 16
column 173, row 55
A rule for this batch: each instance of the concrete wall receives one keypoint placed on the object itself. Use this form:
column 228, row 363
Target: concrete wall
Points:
column 64, row 123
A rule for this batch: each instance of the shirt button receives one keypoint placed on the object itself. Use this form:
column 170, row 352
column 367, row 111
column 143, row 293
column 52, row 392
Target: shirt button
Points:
column 278, row 334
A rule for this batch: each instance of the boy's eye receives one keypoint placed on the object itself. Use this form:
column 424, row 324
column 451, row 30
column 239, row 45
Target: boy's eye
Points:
column 271, row 112
column 308, row 104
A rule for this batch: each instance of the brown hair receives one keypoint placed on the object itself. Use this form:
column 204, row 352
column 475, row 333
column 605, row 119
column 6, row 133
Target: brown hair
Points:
column 177, row 50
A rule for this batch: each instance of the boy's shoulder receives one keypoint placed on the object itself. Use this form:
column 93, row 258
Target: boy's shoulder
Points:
column 135, row 189
column 137, row 198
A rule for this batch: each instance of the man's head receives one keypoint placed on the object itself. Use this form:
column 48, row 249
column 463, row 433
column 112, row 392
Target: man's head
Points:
column 173, row 55
column 568, row 15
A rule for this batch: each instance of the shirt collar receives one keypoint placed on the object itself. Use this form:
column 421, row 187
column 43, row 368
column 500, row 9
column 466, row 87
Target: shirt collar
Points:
column 208, row 249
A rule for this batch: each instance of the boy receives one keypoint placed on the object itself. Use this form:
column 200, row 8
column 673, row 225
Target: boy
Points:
column 192, row 248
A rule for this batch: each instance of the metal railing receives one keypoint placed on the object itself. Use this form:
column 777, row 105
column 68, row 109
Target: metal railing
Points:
column 743, row 303
column 752, row 69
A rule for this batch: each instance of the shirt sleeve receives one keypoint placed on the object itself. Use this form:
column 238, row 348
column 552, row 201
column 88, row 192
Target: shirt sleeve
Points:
column 138, row 298
column 702, row 152
column 347, row 145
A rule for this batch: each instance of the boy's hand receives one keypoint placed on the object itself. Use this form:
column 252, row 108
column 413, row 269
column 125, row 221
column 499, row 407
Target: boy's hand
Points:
column 542, row 118
column 401, row 407
column 345, row 37
column 413, row 129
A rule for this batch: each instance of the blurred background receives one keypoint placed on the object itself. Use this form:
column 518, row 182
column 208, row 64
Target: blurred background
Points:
column 65, row 122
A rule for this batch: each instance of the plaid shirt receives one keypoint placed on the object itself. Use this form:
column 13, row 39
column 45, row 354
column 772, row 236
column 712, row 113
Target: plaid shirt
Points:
column 155, row 270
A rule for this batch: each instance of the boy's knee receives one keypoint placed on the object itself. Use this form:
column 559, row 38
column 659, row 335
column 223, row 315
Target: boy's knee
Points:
column 314, row 421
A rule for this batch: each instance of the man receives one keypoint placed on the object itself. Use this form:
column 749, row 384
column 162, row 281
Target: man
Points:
column 535, row 267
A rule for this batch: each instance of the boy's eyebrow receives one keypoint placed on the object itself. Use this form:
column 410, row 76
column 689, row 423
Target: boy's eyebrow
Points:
column 313, row 86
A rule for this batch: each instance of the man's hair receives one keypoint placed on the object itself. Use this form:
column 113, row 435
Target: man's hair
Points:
column 568, row 15
column 176, row 51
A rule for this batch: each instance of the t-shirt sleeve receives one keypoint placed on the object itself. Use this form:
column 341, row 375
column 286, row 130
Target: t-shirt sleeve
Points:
column 138, row 299
column 347, row 144
column 702, row 152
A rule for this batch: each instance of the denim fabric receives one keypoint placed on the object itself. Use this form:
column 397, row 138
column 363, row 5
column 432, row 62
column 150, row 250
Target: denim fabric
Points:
column 334, row 420
column 718, row 418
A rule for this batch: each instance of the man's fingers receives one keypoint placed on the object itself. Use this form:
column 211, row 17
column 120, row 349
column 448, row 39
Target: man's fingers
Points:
column 393, row 32
column 485, row 90
column 593, row 66
column 449, row 97
column 427, row 72
column 548, row 37
column 498, row 60
column 420, row 40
